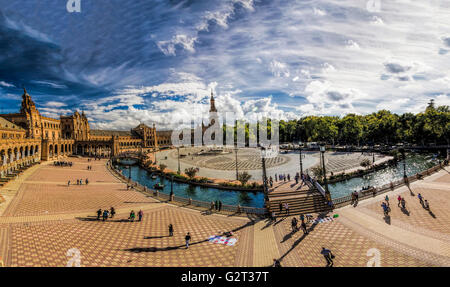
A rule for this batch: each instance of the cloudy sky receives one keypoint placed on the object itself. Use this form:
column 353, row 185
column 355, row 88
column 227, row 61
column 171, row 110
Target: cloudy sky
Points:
column 124, row 61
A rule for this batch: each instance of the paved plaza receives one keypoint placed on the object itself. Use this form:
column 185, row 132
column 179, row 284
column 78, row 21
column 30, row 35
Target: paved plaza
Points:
column 44, row 222
column 223, row 165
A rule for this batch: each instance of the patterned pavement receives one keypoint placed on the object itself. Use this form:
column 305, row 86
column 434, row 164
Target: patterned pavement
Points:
column 50, row 224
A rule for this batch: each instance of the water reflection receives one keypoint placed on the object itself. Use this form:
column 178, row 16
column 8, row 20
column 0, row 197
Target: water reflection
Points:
column 415, row 163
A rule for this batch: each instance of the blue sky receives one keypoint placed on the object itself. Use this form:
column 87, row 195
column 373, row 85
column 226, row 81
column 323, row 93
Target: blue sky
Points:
column 124, row 62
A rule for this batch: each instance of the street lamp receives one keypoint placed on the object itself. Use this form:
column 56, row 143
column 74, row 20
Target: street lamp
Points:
column 301, row 162
column 171, row 187
column 179, row 169
column 264, row 176
column 236, row 161
column 404, row 162
column 322, row 151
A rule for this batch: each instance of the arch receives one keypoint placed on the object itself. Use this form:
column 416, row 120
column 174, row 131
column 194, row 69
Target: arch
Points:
column 56, row 150
column 3, row 157
column 50, row 150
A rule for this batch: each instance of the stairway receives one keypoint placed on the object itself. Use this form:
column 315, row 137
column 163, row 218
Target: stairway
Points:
column 300, row 202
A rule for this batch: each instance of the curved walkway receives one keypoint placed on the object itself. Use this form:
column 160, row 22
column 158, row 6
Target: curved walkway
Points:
column 44, row 223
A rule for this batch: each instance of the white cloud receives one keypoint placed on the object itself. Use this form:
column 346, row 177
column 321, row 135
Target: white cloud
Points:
column 7, row 85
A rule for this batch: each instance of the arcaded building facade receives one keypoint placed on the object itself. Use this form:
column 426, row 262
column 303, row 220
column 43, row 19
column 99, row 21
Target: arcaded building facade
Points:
column 28, row 137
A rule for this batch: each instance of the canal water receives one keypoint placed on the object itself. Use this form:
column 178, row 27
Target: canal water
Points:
column 415, row 163
column 229, row 197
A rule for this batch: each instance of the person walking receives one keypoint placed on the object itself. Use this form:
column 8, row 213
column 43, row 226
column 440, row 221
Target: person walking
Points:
column 328, row 256
column 188, row 239
column 140, row 214
column 217, row 205
column 68, row 183
column 294, row 224
column 420, row 199
column 385, row 208
column 403, row 202
column 289, row 177
column 281, row 206
column 302, row 217
column 220, row 205
column 426, row 205
column 170, row 229
column 286, row 206
column 387, row 199
column 276, row 179
column 113, row 212
column 99, row 213
column 304, row 228
column 276, row 263
column 132, row 216
column 399, row 198
column 105, row 215
column 87, row 181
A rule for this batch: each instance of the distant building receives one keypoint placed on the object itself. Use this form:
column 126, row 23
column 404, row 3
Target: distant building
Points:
column 27, row 137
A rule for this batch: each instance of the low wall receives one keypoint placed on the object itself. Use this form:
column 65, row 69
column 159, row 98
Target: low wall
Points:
column 187, row 201
column 346, row 200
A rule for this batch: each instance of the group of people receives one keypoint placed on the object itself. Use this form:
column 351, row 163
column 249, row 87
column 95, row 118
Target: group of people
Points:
column 105, row 214
column 294, row 223
column 217, row 205
column 285, row 206
column 79, row 182
column 423, row 202
column 62, row 163
column 89, row 167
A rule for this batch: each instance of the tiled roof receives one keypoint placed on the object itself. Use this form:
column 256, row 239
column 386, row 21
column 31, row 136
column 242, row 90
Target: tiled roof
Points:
column 5, row 124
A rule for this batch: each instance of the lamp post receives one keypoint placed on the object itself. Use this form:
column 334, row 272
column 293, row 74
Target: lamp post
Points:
column 404, row 162
column 129, row 172
column 179, row 169
column 322, row 150
column 236, row 162
column 301, row 162
column 171, row 187
column 264, row 176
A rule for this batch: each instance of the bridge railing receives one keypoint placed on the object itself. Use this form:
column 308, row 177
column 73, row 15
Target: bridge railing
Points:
column 187, row 201
column 346, row 200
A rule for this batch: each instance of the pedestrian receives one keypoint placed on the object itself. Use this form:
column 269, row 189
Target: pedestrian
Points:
column 170, row 229
column 281, row 206
column 81, row 182
column 426, row 205
column 99, row 212
column 113, row 212
column 294, row 224
column 385, row 209
column 289, row 177
column 132, row 216
column 78, row 182
column 274, row 216
column 217, row 205
column 220, row 205
column 304, row 228
column 276, row 179
column 68, row 183
column 399, row 198
column 286, row 206
column 276, row 263
column 302, row 217
column 188, row 239
column 387, row 199
column 105, row 214
column 328, row 256
column 403, row 203
column 87, row 181
column 420, row 198
column 140, row 214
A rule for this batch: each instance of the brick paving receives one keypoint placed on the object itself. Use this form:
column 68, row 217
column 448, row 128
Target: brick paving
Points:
column 47, row 223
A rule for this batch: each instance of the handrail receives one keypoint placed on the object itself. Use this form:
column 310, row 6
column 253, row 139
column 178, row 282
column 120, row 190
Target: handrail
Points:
column 193, row 202
column 346, row 200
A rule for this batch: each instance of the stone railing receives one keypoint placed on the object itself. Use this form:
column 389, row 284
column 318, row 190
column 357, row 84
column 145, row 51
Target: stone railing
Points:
column 187, row 201
column 372, row 192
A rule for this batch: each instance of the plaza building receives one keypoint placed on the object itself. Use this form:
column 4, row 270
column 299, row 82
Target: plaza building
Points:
column 28, row 137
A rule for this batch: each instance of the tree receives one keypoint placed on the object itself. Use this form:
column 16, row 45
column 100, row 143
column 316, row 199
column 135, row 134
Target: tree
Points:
column 365, row 162
column 191, row 172
column 317, row 171
column 244, row 177
column 162, row 167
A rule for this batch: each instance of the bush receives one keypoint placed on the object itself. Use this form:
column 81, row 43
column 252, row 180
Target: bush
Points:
column 244, row 177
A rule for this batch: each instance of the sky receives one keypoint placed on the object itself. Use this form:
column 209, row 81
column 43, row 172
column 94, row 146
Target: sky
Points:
column 125, row 62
